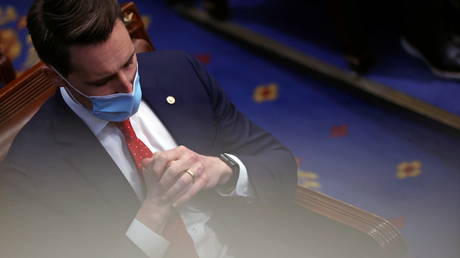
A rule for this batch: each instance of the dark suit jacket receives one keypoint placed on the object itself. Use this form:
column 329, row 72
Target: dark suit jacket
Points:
column 62, row 195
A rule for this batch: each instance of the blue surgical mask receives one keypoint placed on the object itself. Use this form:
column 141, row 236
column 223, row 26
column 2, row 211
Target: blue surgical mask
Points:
column 115, row 107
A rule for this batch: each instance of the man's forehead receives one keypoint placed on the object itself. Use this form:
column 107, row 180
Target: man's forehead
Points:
column 104, row 57
column 86, row 60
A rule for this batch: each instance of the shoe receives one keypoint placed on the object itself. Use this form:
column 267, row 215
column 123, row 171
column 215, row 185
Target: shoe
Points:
column 442, row 56
column 429, row 34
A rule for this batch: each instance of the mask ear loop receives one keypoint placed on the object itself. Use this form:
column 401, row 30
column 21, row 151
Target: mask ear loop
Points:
column 69, row 84
column 78, row 91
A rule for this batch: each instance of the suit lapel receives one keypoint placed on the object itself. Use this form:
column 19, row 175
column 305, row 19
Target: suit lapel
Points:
column 82, row 150
column 182, row 118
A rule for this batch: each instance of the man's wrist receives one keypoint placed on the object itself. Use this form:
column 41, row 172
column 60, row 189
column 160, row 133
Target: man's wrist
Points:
column 153, row 217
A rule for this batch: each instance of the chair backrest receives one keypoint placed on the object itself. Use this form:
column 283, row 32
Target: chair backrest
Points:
column 21, row 98
column 135, row 25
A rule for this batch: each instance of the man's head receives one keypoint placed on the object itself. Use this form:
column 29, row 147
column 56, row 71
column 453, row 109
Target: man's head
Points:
column 86, row 42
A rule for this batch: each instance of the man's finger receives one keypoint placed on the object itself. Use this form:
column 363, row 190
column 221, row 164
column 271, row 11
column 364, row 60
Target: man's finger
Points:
column 182, row 184
column 163, row 160
column 176, row 169
column 147, row 162
column 184, row 181
column 196, row 187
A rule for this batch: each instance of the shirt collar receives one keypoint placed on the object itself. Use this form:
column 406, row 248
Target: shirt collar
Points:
column 95, row 124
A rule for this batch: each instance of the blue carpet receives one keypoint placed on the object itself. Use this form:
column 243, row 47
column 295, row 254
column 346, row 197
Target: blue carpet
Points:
column 375, row 156
column 308, row 26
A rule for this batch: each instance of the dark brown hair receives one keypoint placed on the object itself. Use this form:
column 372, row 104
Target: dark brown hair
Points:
column 55, row 25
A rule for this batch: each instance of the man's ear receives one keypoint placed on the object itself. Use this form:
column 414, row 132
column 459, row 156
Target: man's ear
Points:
column 53, row 76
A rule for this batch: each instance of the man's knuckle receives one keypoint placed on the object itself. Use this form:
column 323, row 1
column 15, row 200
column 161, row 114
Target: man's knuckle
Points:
column 198, row 169
column 171, row 166
column 194, row 157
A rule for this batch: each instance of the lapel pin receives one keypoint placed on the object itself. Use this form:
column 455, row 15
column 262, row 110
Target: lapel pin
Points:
column 171, row 100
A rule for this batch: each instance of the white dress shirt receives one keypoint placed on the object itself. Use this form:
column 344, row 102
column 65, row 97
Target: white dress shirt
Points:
column 154, row 134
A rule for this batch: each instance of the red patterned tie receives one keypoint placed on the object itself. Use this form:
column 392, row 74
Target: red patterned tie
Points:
column 136, row 147
column 181, row 243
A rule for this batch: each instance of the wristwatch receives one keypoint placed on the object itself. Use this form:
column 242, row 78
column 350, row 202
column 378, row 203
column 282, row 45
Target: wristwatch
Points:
column 231, row 183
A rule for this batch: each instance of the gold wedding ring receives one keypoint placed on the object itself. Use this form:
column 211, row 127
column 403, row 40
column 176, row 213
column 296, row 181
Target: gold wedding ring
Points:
column 191, row 174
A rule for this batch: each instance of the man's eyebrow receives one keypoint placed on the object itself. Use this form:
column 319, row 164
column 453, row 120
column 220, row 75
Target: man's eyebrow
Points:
column 109, row 77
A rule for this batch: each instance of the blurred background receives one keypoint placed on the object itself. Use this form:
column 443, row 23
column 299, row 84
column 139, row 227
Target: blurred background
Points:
column 365, row 93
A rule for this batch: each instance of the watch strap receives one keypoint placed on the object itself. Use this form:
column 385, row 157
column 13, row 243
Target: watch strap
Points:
column 231, row 183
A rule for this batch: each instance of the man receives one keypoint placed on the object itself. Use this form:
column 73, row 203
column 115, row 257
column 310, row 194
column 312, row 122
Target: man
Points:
column 130, row 147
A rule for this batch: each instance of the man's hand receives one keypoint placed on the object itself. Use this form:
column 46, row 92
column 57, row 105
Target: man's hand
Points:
column 176, row 185
column 169, row 185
